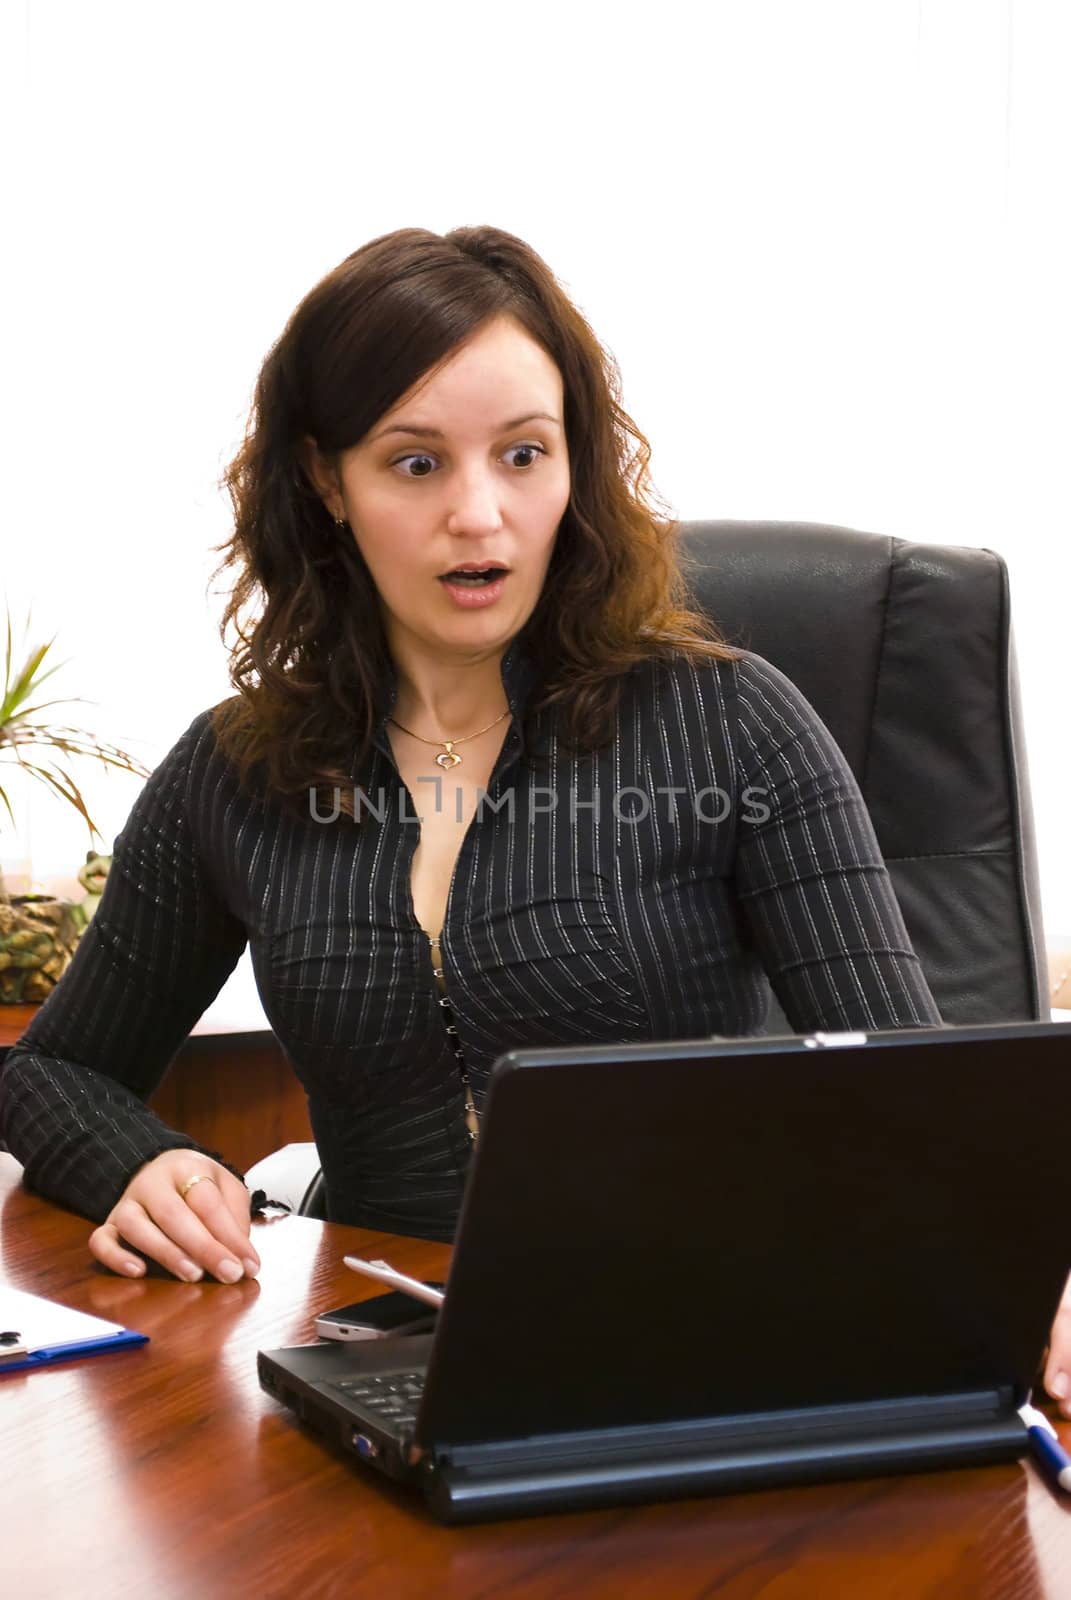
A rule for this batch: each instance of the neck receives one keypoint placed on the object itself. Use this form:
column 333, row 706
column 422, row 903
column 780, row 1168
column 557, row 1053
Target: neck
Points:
column 448, row 699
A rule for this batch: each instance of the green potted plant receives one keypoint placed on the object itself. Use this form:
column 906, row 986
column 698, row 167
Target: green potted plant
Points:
column 38, row 932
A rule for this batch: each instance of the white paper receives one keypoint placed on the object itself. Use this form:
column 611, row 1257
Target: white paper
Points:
column 43, row 1325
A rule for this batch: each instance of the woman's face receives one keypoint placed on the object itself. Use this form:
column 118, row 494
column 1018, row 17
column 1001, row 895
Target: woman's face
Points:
column 462, row 472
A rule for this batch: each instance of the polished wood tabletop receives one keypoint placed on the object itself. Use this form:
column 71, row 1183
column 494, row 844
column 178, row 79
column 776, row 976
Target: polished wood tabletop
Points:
column 165, row 1471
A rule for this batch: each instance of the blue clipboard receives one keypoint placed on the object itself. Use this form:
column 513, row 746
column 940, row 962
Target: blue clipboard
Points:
column 35, row 1332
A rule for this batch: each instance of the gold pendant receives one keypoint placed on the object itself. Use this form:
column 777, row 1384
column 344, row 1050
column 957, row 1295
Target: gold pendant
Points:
column 448, row 758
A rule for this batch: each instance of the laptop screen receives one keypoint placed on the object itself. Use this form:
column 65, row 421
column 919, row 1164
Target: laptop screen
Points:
column 669, row 1231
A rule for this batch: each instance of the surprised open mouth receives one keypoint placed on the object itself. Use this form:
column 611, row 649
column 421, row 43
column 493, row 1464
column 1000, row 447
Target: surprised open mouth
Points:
column 475, row 590
column 473, row 580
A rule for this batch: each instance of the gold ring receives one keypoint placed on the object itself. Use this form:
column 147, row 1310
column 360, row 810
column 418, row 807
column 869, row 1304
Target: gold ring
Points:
column 198, row 1177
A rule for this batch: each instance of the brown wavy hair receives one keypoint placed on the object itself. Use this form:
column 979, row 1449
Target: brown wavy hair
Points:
column 310, row 664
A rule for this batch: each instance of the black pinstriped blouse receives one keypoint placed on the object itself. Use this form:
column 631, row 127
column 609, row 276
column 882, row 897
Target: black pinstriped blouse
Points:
column 635, row 892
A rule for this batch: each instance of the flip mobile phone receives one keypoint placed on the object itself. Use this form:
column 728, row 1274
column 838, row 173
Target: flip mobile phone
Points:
column 385, row 1316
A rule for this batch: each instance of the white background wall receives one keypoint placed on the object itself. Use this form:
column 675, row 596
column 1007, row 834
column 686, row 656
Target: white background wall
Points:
column 827, row 242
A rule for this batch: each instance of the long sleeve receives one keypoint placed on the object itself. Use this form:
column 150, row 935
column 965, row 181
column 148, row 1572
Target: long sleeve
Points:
column 813, row 888
column 155, row 955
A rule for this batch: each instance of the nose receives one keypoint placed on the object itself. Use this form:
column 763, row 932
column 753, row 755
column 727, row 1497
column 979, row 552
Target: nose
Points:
column 474, row 504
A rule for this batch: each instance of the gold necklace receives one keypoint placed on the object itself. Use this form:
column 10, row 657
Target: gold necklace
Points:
column 448, row 756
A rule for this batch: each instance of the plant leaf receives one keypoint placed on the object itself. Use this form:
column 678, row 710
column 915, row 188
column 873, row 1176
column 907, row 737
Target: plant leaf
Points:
column 31, row 711
column 66, row 787
column 75, row 742
column 19, row 704
column 28, row 680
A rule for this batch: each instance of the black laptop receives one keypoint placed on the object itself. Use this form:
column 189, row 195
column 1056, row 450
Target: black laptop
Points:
column 696, row 1267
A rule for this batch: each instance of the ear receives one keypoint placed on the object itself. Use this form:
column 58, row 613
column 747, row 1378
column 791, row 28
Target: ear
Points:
column 323, row 477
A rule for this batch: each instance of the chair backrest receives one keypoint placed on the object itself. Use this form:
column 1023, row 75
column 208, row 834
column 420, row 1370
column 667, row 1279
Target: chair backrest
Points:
column 906, row 652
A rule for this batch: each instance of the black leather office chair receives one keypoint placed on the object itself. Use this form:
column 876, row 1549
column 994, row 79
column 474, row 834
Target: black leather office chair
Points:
column 906, row 652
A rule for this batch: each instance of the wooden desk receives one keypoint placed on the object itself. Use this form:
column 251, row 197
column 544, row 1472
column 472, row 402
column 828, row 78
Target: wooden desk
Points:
column 166, row 1471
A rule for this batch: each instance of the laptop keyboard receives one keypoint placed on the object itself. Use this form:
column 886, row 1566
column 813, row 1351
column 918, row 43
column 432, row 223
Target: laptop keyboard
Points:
column 392, row 1399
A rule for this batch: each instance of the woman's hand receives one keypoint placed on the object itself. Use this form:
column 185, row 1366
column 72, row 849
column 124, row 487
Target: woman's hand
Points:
column 1058, row 1366
column 205, row 1230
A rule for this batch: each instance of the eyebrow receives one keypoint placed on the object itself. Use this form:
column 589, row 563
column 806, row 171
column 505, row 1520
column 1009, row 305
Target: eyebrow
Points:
column 437, row 433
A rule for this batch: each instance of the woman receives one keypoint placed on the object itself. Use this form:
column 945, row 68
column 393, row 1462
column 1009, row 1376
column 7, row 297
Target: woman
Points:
column 467, row 611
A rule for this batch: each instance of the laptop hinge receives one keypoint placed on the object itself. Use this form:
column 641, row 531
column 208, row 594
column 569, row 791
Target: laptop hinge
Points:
column 607, row 1466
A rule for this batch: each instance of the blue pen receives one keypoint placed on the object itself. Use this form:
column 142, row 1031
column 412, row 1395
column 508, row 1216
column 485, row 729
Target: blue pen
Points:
column 1050, row 1454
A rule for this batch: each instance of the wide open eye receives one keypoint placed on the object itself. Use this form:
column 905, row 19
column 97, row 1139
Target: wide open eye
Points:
column 534, row 450
column 402, row 459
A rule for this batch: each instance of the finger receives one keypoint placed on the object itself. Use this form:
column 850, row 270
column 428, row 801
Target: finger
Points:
column 236, row 1198
column 235, row 1195
column 1058, row 1367
column 202, row 1223
column 131, row 1225
column 175, row 1236
column 1057, row 1384
column 224, row 1209
column 105, row 1244
column 160, row 1239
